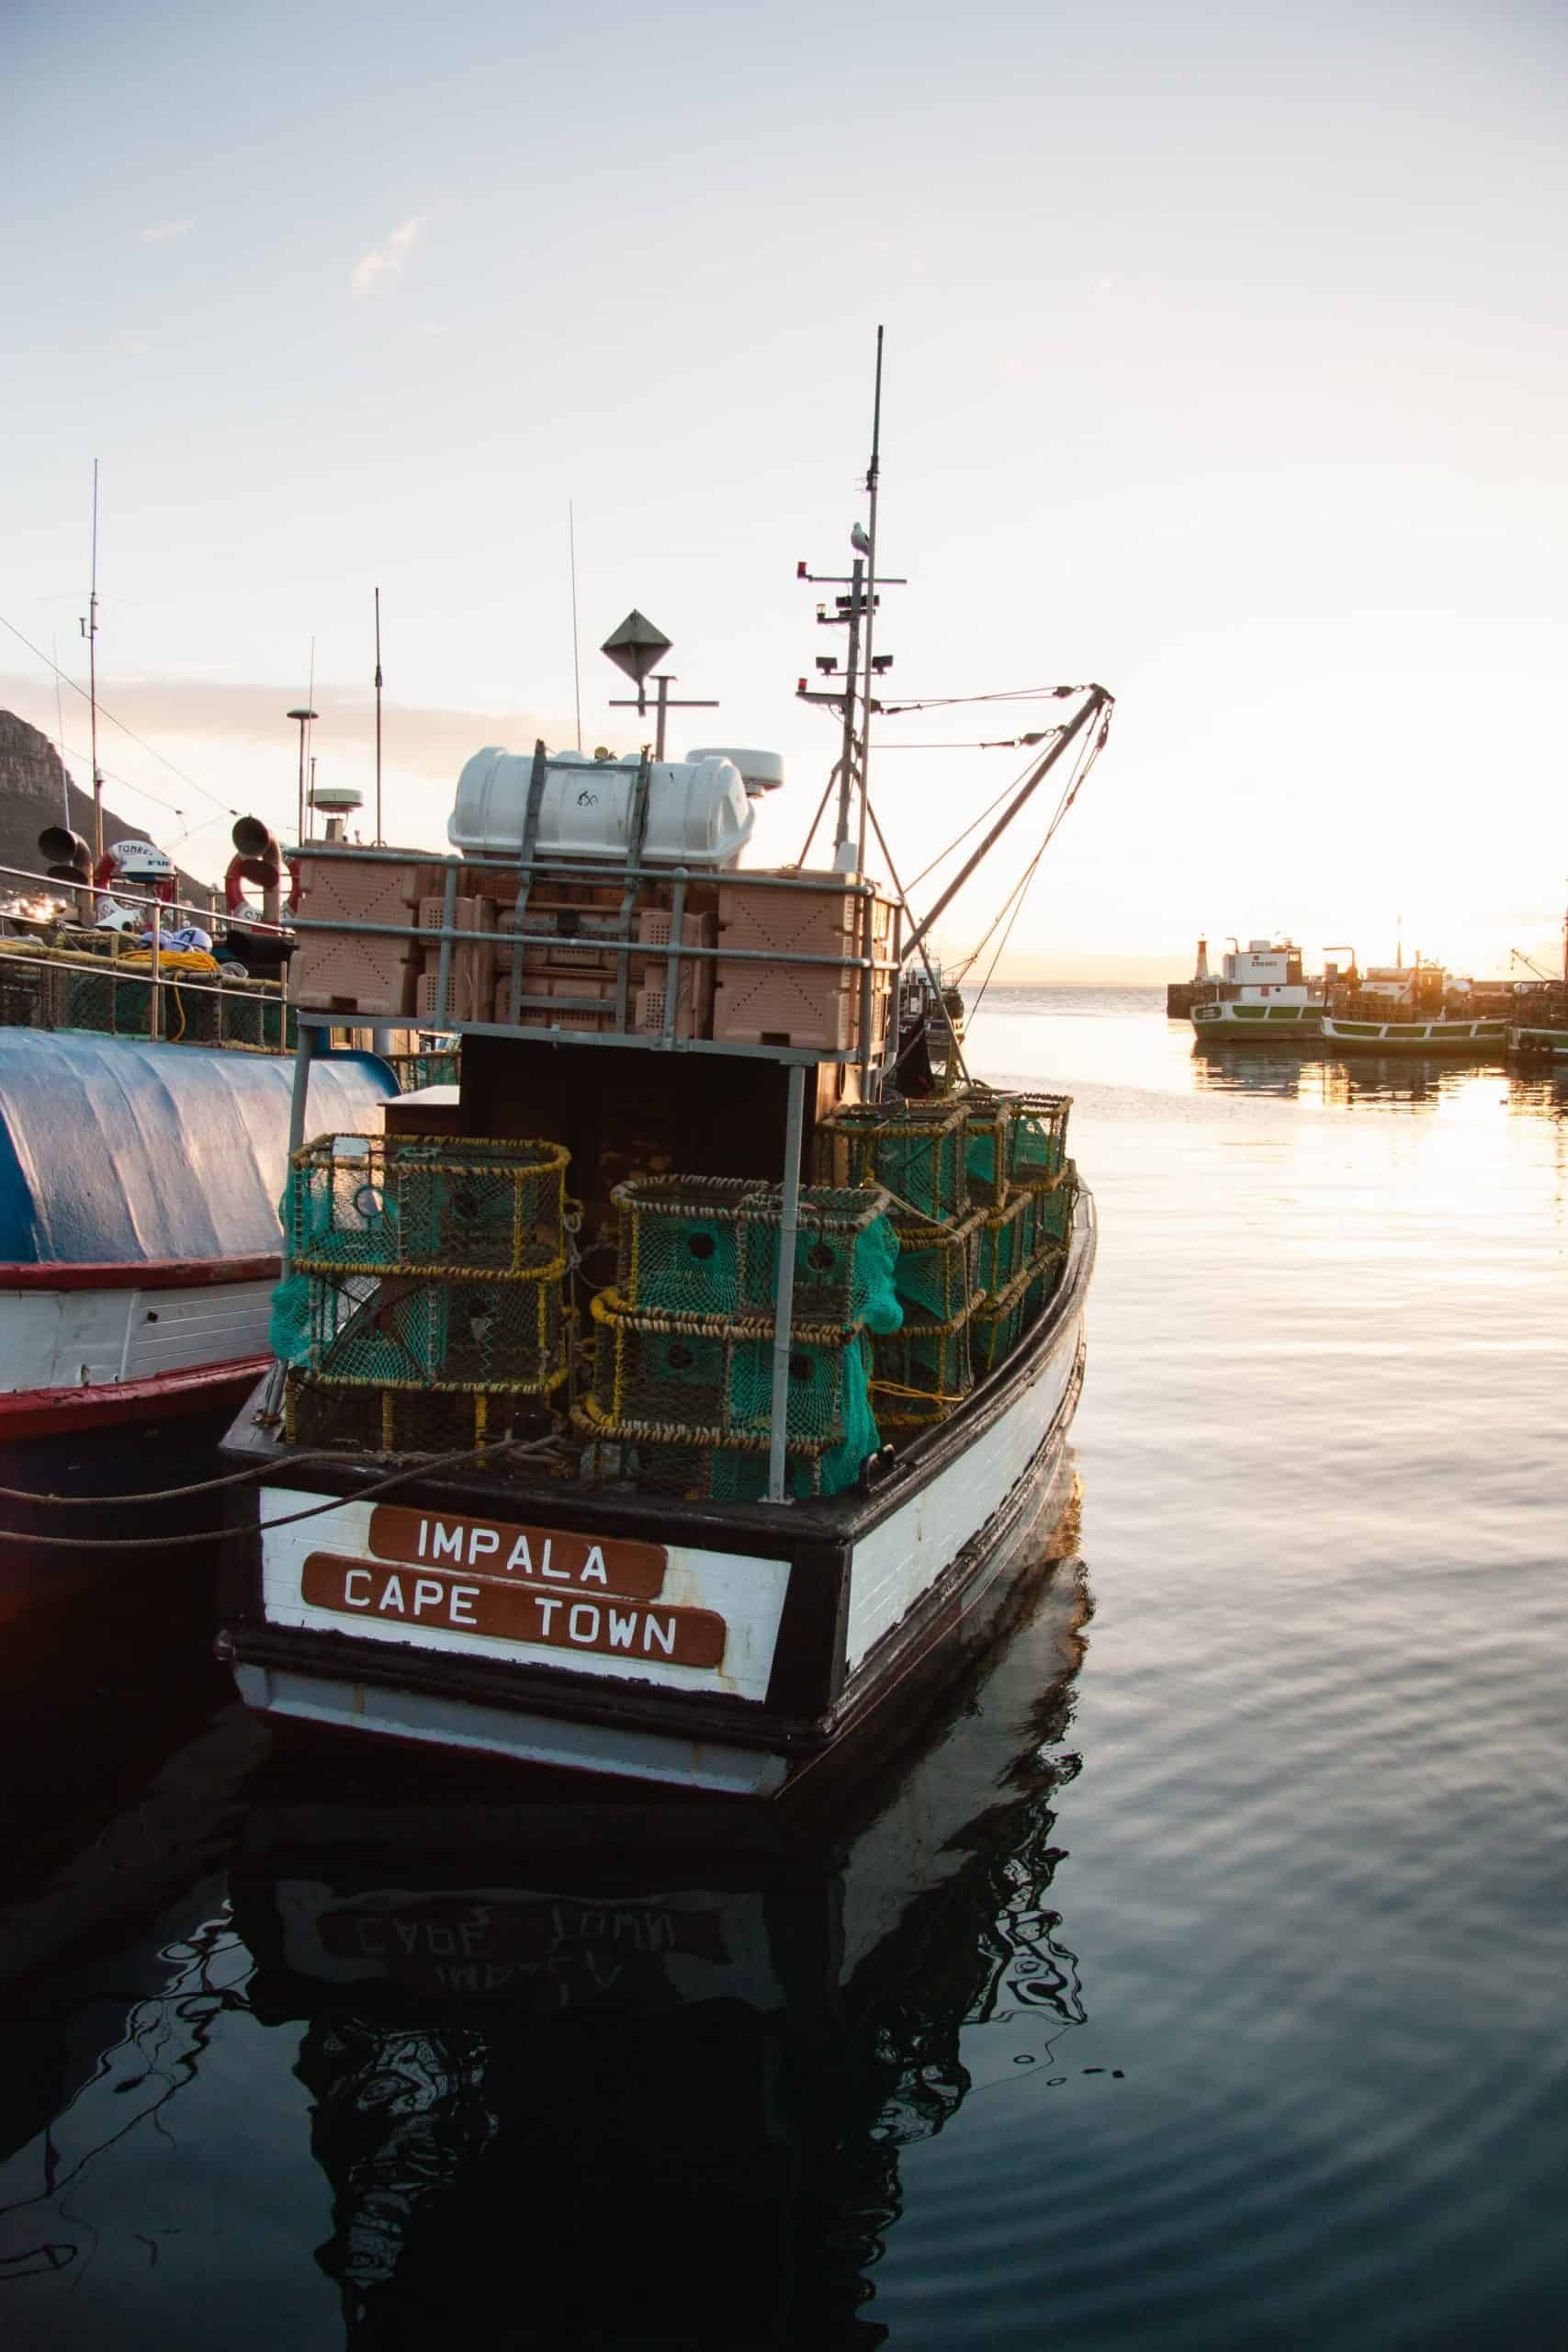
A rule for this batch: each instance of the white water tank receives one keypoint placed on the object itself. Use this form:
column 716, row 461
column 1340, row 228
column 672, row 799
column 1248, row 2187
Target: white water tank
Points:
column 698, row 810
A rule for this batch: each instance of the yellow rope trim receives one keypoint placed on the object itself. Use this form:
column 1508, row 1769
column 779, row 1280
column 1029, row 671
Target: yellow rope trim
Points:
column 921, row 1396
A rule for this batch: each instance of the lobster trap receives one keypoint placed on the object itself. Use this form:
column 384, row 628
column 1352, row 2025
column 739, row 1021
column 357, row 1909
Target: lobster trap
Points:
column 915, row 1151
column 405, row 1420
column 1050, row 1208
column 935, row 1273
column 920, row 1373
column 439, row 1206
column 1003, row 1241
column 700, row 1470
column 665, row 1376
column 1039, row 1124
column 991, row 1130
column 708, row 1245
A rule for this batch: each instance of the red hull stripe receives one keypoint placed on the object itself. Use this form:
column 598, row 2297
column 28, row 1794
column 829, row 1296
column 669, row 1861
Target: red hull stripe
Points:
column 145, row 1273
column 60, row 1412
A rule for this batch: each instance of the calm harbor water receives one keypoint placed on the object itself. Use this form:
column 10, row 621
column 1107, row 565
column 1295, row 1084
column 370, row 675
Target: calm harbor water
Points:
column 1199, row 1977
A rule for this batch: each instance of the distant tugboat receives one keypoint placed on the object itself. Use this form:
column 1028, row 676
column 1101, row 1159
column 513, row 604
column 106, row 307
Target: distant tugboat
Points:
column 1261, row 992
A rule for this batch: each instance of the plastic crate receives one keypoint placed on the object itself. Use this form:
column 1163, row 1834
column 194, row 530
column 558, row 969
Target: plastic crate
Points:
column 365, row 973
column 798, row 1005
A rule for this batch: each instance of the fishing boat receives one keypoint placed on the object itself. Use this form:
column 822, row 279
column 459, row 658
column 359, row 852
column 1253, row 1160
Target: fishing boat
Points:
column 1261, row 994
column 1538, row 1027
column 719, row 1375
column 1417, row 1008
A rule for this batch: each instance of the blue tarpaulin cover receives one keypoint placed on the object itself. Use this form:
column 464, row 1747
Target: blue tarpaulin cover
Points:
column 113, row 1150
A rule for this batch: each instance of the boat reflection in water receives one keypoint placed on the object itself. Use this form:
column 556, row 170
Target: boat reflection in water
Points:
column 652, row 2067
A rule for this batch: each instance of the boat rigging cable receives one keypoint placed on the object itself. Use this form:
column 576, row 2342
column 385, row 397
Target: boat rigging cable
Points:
column 103, row 712
column 1087, row 756
column 425, row 1468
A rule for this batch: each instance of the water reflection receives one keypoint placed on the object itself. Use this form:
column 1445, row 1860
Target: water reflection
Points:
column 636, row 2073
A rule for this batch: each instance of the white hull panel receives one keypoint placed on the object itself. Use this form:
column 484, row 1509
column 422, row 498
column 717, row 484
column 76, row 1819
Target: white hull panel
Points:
column 617, row 1749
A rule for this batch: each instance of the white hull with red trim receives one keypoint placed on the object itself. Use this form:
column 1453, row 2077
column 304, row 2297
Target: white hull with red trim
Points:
column 92, row 1347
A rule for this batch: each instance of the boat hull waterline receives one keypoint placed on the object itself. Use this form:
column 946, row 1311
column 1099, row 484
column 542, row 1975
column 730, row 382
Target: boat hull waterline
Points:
column 725, row 1650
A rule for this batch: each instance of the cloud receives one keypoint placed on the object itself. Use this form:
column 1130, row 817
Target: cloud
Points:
column 386, row 260
column 423, row 742
column 160, row 232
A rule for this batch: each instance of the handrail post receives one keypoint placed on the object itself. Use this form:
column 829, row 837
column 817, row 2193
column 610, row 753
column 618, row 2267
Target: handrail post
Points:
column 153, row 1022
column 444, row 957
column 783, row 1297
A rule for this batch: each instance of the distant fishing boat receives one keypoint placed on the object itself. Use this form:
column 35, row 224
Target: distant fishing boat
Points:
column 1415, row 1009
column 1538, row 1029
column 1261, row 994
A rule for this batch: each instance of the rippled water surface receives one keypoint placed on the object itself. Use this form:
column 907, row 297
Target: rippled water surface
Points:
column 1199, row 1979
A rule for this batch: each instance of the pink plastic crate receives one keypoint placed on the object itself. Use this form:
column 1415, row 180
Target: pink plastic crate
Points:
column 797, row 1004
column 357, row 971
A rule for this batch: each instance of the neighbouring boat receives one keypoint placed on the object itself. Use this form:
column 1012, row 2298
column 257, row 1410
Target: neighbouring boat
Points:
column 706, row 1467
column 145, row 1105
column 139, row 1234
column 1260, row 995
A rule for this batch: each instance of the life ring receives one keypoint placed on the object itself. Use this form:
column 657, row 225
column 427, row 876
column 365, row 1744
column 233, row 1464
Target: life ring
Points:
column 267, row 874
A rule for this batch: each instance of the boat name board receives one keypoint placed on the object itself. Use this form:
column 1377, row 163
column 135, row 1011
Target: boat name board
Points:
column 513, row 1612
column 542, row 1554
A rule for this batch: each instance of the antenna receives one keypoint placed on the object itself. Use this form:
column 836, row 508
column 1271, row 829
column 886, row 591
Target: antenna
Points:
column 90, row 632
column 873, row 476
column 379, row 840
column 311, row 696
column 60, row 730
column 576, row 652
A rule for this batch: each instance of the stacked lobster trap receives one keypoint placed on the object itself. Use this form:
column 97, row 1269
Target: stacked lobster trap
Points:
column 679, row 1395
column 982, row 1194
column 425, row 1304
column 1019, row 1144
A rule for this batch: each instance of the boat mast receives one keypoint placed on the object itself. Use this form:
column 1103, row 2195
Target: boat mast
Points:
column 379, row 836
column 90, row 632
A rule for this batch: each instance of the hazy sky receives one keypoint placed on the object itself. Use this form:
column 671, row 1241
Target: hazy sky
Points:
column 1225, row 364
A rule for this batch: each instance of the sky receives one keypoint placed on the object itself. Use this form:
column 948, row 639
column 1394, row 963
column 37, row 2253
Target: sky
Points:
column 1224, row 364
